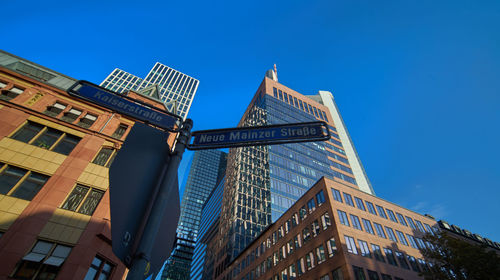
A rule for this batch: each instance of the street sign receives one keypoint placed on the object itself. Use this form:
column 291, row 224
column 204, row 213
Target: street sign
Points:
column 125, row 105
column 133, row 180
column 259, row 135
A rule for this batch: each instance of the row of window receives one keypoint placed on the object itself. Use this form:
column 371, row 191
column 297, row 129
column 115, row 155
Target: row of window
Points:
column 313, row 258
column 409, row 240
column 60, row 110
column 25, row 184
column 405, row 261
column 46, row 258
column 299, row 104
column 359, row 274
column 307, row 234
column 380, row 211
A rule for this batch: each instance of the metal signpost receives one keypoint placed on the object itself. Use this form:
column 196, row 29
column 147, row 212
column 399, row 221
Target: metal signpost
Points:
column 143, row 177
column 260, row 135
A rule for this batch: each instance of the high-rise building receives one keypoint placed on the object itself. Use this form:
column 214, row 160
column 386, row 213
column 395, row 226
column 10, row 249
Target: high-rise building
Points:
column 206, row 170
column 262, row 182
column 203, row 257
column 55, row 153
column 175, row 89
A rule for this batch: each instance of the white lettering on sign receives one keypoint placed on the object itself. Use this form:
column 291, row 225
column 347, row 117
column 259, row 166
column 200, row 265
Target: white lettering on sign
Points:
column 304, row 131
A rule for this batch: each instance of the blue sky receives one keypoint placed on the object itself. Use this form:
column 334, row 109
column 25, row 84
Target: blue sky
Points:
column 416, row 81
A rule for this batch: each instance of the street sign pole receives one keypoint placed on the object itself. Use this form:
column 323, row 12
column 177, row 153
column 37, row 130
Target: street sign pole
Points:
column 139, row 268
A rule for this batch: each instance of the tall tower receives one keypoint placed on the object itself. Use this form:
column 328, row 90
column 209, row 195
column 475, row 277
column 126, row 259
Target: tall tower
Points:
column 176, row 89
column 207, row 169
column 262, row 182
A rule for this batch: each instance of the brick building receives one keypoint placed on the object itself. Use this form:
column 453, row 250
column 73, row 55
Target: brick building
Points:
column 55, row 151
column 335, row 231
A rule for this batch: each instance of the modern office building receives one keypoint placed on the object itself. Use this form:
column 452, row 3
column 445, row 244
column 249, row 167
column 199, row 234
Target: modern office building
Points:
column 174, row 88
column 206, row 170
column 55, row 151
column 203, row 257
column 262, row 182
column 335, row 231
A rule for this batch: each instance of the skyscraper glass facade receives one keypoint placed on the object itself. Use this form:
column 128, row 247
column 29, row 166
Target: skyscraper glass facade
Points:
column 262, row 182
column 175, row 88
column 202, row 264
column 207, row 169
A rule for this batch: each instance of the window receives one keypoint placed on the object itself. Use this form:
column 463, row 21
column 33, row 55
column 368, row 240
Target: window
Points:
column 289, row 247
column 391, row 215
column 355, row 222
column 381, row 212
column 368, row 226
column 280, row 94
column 377, row 253
column 325, row 220
column 402, row 260
column 363, row 246
column 402, row 238
column 310, row 260
column 371, row 208
column 372, row 275
column 343, row 218
column 55, row 109
column 359, row 274
column 315, row 228
column 412, row 241
column 10, row 93
column 332, row 248
column 336, row 195
column 401, row 219
column 306, row 233
column 105, row 157
column 386, row 276
column 44, row 260
column 303, row 213
column 391, row 235
column 359, row 203
column 420, row 226
column 90, row 197
column 87, row 121
column 320, row 254
column 46, row 138
column 320, row 197
column 292, row 271
column 351, row 246
column 3, row 84
column 325, row 277
column 284, row 275
column 300, row 267
column 286, row 97
column 380, row 230
column 413, row 263
column 275, row 92
column 19, row 182
column 311, row 205
column 99, row 269
column 71, row 115
column 118, row 134
column 411, row 223
column 390, row 256
column 295, row 220
column 348, row 199
column 297, row 241
column 337, row 274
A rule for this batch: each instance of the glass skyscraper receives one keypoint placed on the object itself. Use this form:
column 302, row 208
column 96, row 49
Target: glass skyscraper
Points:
column 203, row 257
column 262, row 182
column 206, row 171
column 175, row 89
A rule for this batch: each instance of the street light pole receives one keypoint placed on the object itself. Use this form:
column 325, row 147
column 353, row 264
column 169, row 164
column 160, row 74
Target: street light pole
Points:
column 140, row 264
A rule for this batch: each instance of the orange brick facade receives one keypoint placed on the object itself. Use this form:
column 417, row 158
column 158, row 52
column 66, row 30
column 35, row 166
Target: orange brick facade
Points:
column 43, row 218
column 325, row 242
